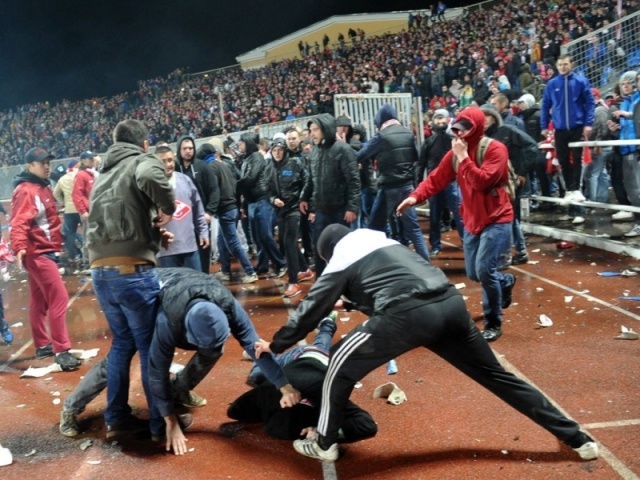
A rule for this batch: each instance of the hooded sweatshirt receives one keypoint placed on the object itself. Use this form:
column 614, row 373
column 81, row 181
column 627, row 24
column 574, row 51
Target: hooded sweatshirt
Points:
column 252, row 184
column 483, row 204
column 200, row 174
column 334, row 172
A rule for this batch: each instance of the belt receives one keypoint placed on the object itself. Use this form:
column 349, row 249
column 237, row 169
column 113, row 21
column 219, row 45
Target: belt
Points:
column 122, row 265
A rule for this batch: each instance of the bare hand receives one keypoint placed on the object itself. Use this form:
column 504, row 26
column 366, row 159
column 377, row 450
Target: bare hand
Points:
column 544, row 132
column 586, row 131
column 406, row 203
column 304, row 207
column 349, row 216
column 342, row 136
column 175, row 437
column 312, row 217
column 204, row 242
column 290, row 396
column 459, row 147
column 308, row 432
column 261, row 346
column 278, row 203
column 167, row 238
column 85, row 216
column 207, row 217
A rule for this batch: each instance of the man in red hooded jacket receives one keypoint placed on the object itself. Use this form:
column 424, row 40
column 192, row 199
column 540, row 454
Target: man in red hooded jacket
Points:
column 485, row 208
column 35, row 238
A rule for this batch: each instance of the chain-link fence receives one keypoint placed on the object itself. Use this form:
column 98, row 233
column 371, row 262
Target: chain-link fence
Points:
column 605, row 54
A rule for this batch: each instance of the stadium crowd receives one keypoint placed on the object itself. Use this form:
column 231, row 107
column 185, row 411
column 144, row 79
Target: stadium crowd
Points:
column 507, row 46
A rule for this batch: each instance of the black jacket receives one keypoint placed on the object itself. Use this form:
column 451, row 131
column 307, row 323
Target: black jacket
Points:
column 373, row 272
column 254, row 166
column 433, row 150
column 201, row 174
column 335, row 182
column 286, row 180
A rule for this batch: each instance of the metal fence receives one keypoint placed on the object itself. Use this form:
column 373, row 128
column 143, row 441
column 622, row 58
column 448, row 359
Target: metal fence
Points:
column 362, row 108
column 605, row 54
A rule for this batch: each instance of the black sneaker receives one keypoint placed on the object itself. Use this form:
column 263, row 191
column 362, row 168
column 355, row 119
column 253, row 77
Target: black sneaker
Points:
column 44, row 352
column 520, row 258
column 507, row 292
column 67, row 361
column 491, row 334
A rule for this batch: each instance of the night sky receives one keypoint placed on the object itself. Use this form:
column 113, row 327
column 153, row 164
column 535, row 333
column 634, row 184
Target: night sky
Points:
column 76, row 49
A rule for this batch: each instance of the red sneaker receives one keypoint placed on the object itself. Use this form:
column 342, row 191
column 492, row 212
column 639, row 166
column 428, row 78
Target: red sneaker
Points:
column 306, row 276
column 293, row 290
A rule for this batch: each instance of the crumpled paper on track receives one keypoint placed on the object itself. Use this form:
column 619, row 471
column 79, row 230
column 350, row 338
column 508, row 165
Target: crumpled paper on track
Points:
column 627, row 334
column 41, row 371
column 391, row 392
column 84, row 354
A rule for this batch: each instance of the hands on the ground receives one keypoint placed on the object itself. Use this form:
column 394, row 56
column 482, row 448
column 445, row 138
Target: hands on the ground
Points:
column 175, row 437
column 290, row 396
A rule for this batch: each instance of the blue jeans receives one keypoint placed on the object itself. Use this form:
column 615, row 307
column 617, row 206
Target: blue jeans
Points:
column 229, row 243
column 69, row 231
column 322, row 341
column 385, row 204
column 596, row 179
column 261, row 217
column 449, row 197
column 187, row 260
column 481, row 256
column 130, row 304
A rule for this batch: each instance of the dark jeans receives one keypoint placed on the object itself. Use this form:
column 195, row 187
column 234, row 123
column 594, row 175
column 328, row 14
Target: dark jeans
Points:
column 229, row 243
column 69, row 231
column 288, row 227
column 261, row 217
column 187, row 260
column 205, row 254
column 449, row 197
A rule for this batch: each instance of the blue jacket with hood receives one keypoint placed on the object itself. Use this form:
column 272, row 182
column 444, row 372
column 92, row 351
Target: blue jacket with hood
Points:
column 571, row 99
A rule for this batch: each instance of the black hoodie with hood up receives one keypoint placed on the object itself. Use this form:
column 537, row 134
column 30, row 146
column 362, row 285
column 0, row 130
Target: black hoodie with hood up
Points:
column 334, row 172
column 201, row 174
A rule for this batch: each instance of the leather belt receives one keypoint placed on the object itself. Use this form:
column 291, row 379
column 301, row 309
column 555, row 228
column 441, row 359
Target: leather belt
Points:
column 122, row 265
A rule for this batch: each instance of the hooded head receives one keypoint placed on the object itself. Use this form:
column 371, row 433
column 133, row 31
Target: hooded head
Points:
column 206, row 326
column 475, row 118
column 251, row 141
column 207, row 152
column 186, row 150
column 329, row 238
column 528, row 99
column 493, row 119
column 387, row 112
column 629, row 78
column 327, row 134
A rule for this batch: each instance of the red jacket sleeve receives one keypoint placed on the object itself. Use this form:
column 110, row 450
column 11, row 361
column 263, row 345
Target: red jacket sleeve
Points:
column 437, row 180
column 81, row 190
column 23, row 211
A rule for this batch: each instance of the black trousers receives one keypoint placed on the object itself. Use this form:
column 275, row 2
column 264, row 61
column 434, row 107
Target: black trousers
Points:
column 442, row 325
column 571, row 171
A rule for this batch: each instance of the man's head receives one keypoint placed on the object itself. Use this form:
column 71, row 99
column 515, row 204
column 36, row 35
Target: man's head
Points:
column 278, row 150
column 500, row 102
column 132, row 131
column 187, row 149
column 329, row 238
column 206, row 326
column 307, row 144
column 440, row 117
column 315, row 132
column 343, row 125
column 168, row 158
column 37, row 162
column 87, row 159
column 526, row 101
column 293, row 139
column 564, row 64
column 491, row 116
column 627, row 83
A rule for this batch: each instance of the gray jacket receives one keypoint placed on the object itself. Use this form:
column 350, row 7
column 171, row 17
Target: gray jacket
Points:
column 125, row 199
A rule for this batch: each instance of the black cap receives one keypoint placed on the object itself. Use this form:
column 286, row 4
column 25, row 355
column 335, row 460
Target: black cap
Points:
column 37, row 155
column 462, row 125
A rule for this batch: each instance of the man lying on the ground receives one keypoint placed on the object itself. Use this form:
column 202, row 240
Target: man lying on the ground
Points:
column 197, row 313
column 305, row 367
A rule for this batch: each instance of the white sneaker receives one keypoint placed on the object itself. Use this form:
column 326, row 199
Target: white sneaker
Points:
column 588, row 451
column 578, row 196
column 622, row 216
column 634, row 232
column 574, row 196
column 309, row 448
column 565, row 218
column 578, row 220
